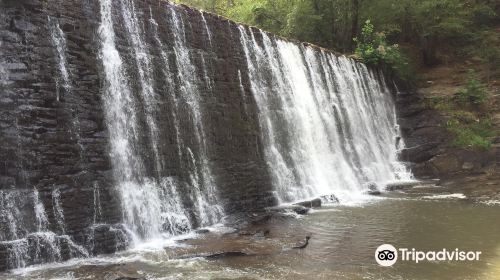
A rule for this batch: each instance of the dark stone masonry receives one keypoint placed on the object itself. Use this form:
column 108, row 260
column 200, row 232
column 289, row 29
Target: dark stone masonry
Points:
column 54, row 138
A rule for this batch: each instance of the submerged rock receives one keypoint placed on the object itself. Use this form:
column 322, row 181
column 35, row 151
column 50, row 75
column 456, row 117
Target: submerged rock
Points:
column 217, row 255
column 226, row 254
column 302, row 244
column 301, row 210
column 202, row 231
column 329, row 198
column 372, row 189
column 256, row 233
column 373, row 192
column 410, row 184
column 314, row 203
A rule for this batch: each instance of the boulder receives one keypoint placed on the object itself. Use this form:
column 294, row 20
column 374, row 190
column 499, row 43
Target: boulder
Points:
column 202, row 231
column 372, row 188
column 314, row 203
column 446, row 163
column 255, row 233
column 409, row 184
column 226, row 254
column 216, row 255
column 301, row 210
column 373, row 192
column 467, row 166
column 329, row 198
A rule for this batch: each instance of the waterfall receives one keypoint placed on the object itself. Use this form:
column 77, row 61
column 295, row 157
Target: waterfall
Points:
column 329, row 122
column 27, row 236
column 314, row 110
column 123, row 130
column 151, row 204
column 26, row 233
column 179, row 120
column 205, row 195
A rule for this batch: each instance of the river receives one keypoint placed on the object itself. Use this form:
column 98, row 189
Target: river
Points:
column 342, row 245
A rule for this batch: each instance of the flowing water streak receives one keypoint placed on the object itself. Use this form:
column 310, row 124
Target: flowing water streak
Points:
column 12, row 220
column 205, row 193
column 58, row 211
column 330, row 127
column 144, row 67
column 9, row 215
column 170, row 83
column 158, row 200
column 59, row 42
column 208, row 78
column 173, row 212
column 242, row 92
column 124, row 134
column 3, row 72
column 205, row 24
column 42, row 222
column 30, row 239
column 97, row 203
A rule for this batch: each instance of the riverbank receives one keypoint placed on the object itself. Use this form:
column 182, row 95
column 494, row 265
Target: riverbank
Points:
column 430, row 118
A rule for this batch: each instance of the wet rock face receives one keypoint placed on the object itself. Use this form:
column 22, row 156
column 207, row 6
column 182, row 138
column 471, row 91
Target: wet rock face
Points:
column 52, row 138
column 428, row 143
column 54, row 135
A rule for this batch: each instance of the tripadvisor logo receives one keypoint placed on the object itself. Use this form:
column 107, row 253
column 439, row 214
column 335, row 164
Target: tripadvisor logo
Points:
column 387, row 255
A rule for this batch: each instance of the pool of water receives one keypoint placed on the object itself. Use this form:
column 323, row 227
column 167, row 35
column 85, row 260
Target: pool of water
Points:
column 342, row 246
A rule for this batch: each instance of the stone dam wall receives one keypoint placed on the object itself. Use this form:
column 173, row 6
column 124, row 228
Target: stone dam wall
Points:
column 127, row 120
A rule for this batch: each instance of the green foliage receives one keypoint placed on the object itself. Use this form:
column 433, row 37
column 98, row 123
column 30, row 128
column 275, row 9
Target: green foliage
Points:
column 367, row 44
column 442, row 20
column 323, row 22
column 474, row 92
column 440, row 30
column 373, row 48
column 483, row 14
column 439, row 103
column 487, row 48
column 432, row 31
column 302, row 22
column 471, row 135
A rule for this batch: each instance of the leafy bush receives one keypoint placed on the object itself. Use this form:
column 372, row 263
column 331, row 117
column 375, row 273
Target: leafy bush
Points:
column 487, row 48
column 483, row 14
column 373, row 48
column 473, row 135
column 439, row 31
column 474, row 92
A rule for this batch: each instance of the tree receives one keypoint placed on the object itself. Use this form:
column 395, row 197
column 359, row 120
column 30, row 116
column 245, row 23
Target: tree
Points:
column 354, row 24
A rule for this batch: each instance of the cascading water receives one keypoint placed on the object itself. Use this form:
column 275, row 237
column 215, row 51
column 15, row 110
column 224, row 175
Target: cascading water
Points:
column 329, row 123
column 151, row 203
column 59, row 42
column 316, row 123
column 26, row 231
column 205, row 195
column 139, row 193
